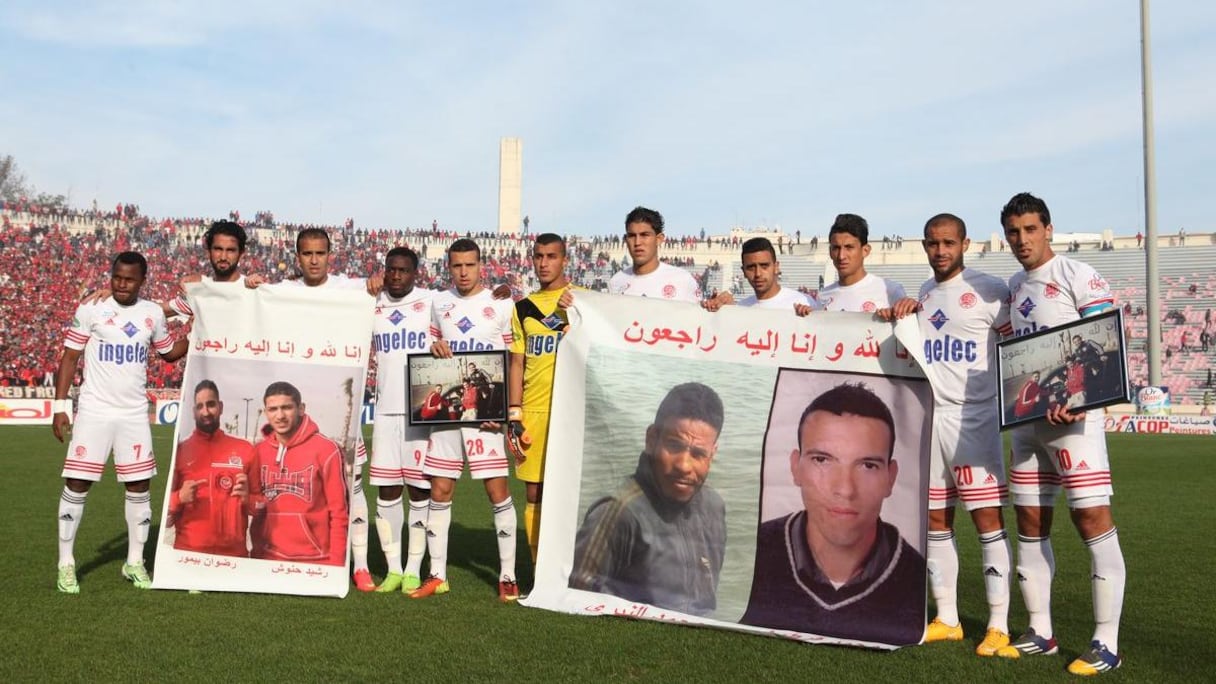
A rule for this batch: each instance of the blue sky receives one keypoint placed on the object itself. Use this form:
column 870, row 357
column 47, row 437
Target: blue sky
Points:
column 715, row 113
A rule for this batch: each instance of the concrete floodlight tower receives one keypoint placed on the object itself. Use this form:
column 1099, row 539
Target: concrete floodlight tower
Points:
column 510, row 185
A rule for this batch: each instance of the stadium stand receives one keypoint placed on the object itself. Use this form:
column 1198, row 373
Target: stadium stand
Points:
column 47, row 256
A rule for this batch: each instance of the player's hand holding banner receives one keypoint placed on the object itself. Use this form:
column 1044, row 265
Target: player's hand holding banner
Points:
column 258, row 497
column 711, row 443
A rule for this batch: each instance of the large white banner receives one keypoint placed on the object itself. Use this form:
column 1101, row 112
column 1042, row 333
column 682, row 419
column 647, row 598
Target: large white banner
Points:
column 738, row 470
column 259, row 489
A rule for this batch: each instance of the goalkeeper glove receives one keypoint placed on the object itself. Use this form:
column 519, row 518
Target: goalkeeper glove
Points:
column 517, row 437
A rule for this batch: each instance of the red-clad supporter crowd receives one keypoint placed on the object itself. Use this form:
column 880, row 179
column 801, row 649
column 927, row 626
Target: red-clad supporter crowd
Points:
column 45, row 269
column 52, row 256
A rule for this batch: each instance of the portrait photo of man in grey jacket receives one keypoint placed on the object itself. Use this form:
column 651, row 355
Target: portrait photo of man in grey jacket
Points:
column 661, row 538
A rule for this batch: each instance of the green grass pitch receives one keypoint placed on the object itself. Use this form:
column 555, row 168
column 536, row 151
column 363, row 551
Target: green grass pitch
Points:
column 112, row 631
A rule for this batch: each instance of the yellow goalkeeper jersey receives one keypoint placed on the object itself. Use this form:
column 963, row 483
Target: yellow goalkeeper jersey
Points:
column 537, row 327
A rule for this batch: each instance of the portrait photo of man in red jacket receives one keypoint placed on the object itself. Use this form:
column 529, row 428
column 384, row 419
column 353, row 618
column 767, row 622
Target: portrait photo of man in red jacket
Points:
column 207, row 498
column 297, row 485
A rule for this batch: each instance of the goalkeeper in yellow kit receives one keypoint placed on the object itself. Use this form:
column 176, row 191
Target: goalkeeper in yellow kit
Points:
column 538, row 325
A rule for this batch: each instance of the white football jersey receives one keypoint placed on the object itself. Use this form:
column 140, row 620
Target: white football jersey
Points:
column 961, row 321
column 401, row 327
column 867, row 295
column 476, row 323
column 116, row 341
column 1060, row 291
column 665, row 282
column 785, row 299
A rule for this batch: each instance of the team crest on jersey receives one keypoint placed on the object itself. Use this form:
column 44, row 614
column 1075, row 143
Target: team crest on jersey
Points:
column 868, row 307
column 419, row 306
column 395, row 317
column 488, row 312
column 553, row 322
column 1051, row 291
column 81, row 451
column 225, row 483
column 967, row 300
column 669, row 291
column 1026, row 307
column 1097, row 282
column 130, row 329
column 148, row 323
column 938, row 319
column 279, row 482
column 464, row 325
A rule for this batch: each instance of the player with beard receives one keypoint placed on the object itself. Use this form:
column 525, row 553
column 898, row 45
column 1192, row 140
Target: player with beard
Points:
column 210, row 482
column 225, row 243
column 962, row 313
column 1065, row 451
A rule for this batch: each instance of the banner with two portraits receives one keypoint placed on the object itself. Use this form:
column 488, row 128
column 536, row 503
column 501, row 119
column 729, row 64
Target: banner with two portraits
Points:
column 745, row 469
column 259, row 486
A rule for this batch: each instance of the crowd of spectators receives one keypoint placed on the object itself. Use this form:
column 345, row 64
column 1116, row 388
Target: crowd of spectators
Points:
column 48, row 261
column 43, row 272
column 50, row 254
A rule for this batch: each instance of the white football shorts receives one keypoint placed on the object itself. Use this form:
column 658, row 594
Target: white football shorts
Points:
column 1047, row 457
column 94, row 437
column 398, row 452
column 965, row 459
column 486, row 453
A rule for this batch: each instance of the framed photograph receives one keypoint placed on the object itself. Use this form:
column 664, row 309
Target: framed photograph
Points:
column 1082, row 365
column 467, row 389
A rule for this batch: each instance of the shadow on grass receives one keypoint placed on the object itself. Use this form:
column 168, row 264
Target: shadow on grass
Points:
column 115, row 549
column 474, row 549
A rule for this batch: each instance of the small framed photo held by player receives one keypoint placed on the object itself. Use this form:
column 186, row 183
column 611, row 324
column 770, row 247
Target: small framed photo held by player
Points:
column 468, row 389
column 1082, row 365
